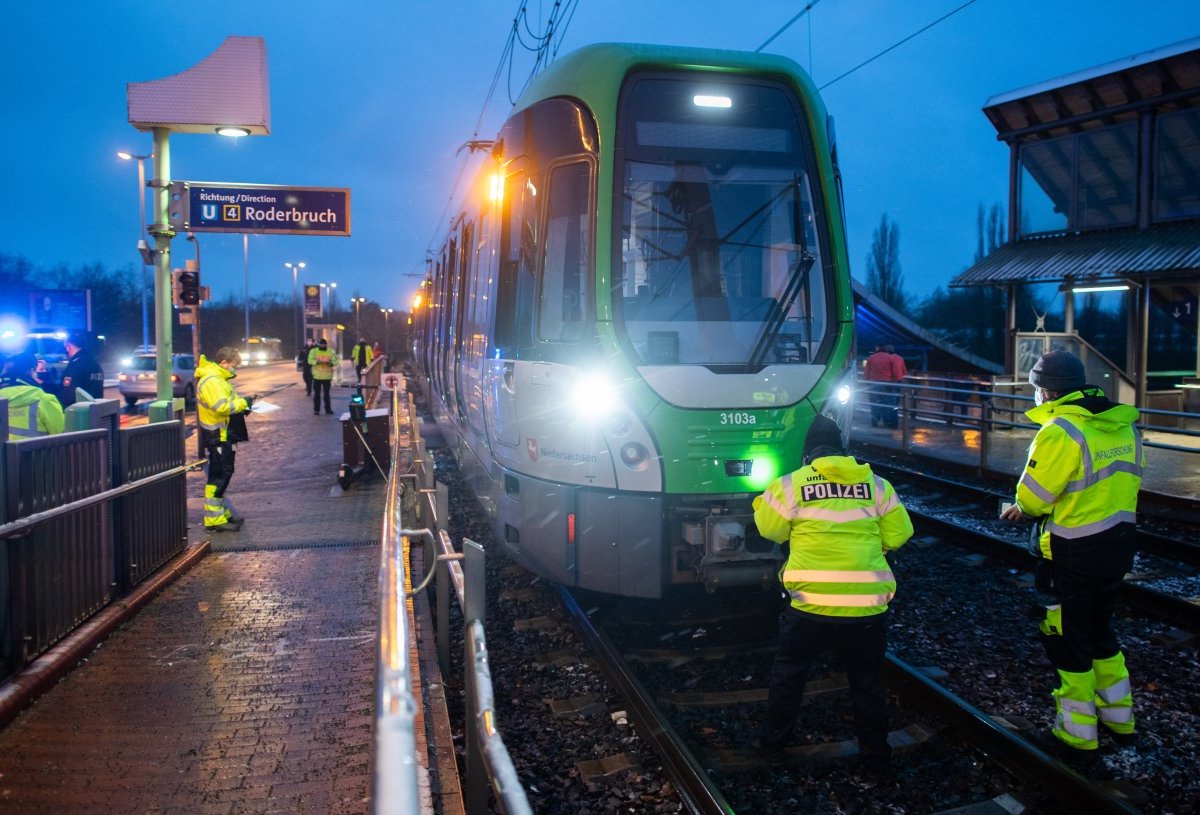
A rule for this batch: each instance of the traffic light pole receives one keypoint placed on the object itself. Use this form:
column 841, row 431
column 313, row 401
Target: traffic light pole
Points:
column 163, row 316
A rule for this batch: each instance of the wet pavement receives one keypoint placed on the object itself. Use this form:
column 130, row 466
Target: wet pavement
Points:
column 248, row 684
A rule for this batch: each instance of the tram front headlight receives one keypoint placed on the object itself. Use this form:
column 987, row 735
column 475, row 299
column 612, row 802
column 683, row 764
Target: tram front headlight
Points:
column 593, row 396
column 843, row 394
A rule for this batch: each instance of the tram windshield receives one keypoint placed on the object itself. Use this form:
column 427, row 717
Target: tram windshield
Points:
column 720, row 247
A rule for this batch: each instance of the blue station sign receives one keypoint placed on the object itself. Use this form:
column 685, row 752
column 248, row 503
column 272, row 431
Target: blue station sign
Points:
column 199, row 206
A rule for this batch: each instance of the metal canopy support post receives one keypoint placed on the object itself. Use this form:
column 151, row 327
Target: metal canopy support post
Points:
column 1143, row 357
column 164, row 318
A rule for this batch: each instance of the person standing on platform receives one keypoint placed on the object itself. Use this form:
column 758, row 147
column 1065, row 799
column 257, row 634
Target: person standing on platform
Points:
column 46, row 378
column 1080, row 484
column 837, row 520
column 32, row 411
column 878, row 369
column 322, row 360
column 899, row 371
column 304, row 368
column 362, row 356
column 82, row 371
column 216, row 404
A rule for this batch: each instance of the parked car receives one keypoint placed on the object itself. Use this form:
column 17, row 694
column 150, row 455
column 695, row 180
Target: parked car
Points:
column 138, row 379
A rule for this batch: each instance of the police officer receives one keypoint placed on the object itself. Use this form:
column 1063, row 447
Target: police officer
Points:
column 1081, row 484
column 322, row 360
column 82, row 371
column 216, row 402
column 31, row 410
column 838, row 520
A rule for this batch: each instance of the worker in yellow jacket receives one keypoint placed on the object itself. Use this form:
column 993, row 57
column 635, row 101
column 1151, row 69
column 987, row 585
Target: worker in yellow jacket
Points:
column 838, row 520
column 1081, row 484
column 216, row 403
column 362, row 355
column 32, row 411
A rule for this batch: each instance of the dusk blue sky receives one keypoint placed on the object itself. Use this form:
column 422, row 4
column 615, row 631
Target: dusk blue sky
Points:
column 378, row 96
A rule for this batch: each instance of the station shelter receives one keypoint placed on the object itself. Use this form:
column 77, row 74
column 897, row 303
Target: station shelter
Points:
column 1104, row 196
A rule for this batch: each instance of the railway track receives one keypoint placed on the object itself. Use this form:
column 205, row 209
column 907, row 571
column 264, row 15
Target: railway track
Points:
column 691, row 766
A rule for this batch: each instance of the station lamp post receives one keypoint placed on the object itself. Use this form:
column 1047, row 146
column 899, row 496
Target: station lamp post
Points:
column 296, row 267
column 358, row 301
column 143, row 244
column 239, row 108
column 332, row 299
column 387, row 312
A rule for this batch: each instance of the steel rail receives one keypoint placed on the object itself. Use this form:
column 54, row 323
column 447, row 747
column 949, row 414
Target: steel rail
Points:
column 698, row 792
column 1181, row 612
column 1005, row 747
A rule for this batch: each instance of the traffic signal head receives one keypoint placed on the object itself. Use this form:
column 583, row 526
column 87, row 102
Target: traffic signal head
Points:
column 186, row 287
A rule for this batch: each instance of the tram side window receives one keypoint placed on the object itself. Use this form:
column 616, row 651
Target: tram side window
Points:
column 515, row 292
column 563, row 305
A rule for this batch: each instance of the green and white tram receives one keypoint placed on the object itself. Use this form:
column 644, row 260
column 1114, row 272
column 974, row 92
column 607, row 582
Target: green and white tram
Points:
column 635, row 317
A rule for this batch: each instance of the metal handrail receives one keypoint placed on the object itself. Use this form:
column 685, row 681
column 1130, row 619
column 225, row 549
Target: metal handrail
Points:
column 21, row 526
column 395, row 787
column 488, row 760
column 988, row 420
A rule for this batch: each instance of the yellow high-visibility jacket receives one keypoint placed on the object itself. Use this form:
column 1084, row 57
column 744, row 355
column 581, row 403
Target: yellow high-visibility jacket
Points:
column 322, row 362
column 362, row 354
column 1083, row 473
column 31, row 411
column 216, row 399
column 838, row 519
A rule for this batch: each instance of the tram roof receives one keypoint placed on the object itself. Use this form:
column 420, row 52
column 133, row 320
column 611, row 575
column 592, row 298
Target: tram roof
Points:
column 567, row 75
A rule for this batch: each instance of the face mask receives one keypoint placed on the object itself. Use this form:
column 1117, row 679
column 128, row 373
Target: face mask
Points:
column 1039, row 396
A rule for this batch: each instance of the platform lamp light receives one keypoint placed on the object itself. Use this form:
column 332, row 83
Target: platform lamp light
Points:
column 143, row 243
column 358, row 301
column 387, row 312
column 296, row 267
column 332, row 298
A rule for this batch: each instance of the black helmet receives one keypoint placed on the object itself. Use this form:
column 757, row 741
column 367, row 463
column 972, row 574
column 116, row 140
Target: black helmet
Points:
column 824, row 437
column 1059, row 372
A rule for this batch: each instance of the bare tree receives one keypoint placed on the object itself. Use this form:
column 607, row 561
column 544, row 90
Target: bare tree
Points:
column 884, row 278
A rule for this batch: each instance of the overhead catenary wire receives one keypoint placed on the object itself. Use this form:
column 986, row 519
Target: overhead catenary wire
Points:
column 786, row 26
column 896, row 45
column 545, row 48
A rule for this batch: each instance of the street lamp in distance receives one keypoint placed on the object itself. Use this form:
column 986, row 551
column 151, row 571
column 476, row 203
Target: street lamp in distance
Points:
column 332, row 299
column 143, row 244
column 358, row 301
column 387, row 312
column 296, row 267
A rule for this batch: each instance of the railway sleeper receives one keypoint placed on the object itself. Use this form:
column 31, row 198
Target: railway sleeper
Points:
column 902, row 741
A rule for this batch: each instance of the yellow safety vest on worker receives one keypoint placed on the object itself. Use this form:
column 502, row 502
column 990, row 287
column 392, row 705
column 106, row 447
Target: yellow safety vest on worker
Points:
column 216, row 399
column 839, row 519
column 31, row 411
column 1084, row 469
column 362, row 354
column 322, row 361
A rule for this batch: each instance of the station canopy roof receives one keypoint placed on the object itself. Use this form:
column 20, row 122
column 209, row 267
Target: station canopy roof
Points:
column 1165, row 250
column 1166, row 77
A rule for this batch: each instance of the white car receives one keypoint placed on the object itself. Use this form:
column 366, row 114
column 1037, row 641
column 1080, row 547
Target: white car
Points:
column 139, row 379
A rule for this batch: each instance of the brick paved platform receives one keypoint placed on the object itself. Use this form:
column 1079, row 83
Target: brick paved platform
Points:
column 248, row 684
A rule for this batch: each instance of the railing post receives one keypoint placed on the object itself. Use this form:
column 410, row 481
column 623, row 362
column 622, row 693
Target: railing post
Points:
column 474, row 585
column 443, row 504
column 444, row 590
column 985, row 438
column 906, row 403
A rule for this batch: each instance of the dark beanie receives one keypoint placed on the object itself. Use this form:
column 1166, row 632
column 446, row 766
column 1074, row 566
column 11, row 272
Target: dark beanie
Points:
column 823, row 433
column 1058, row 371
